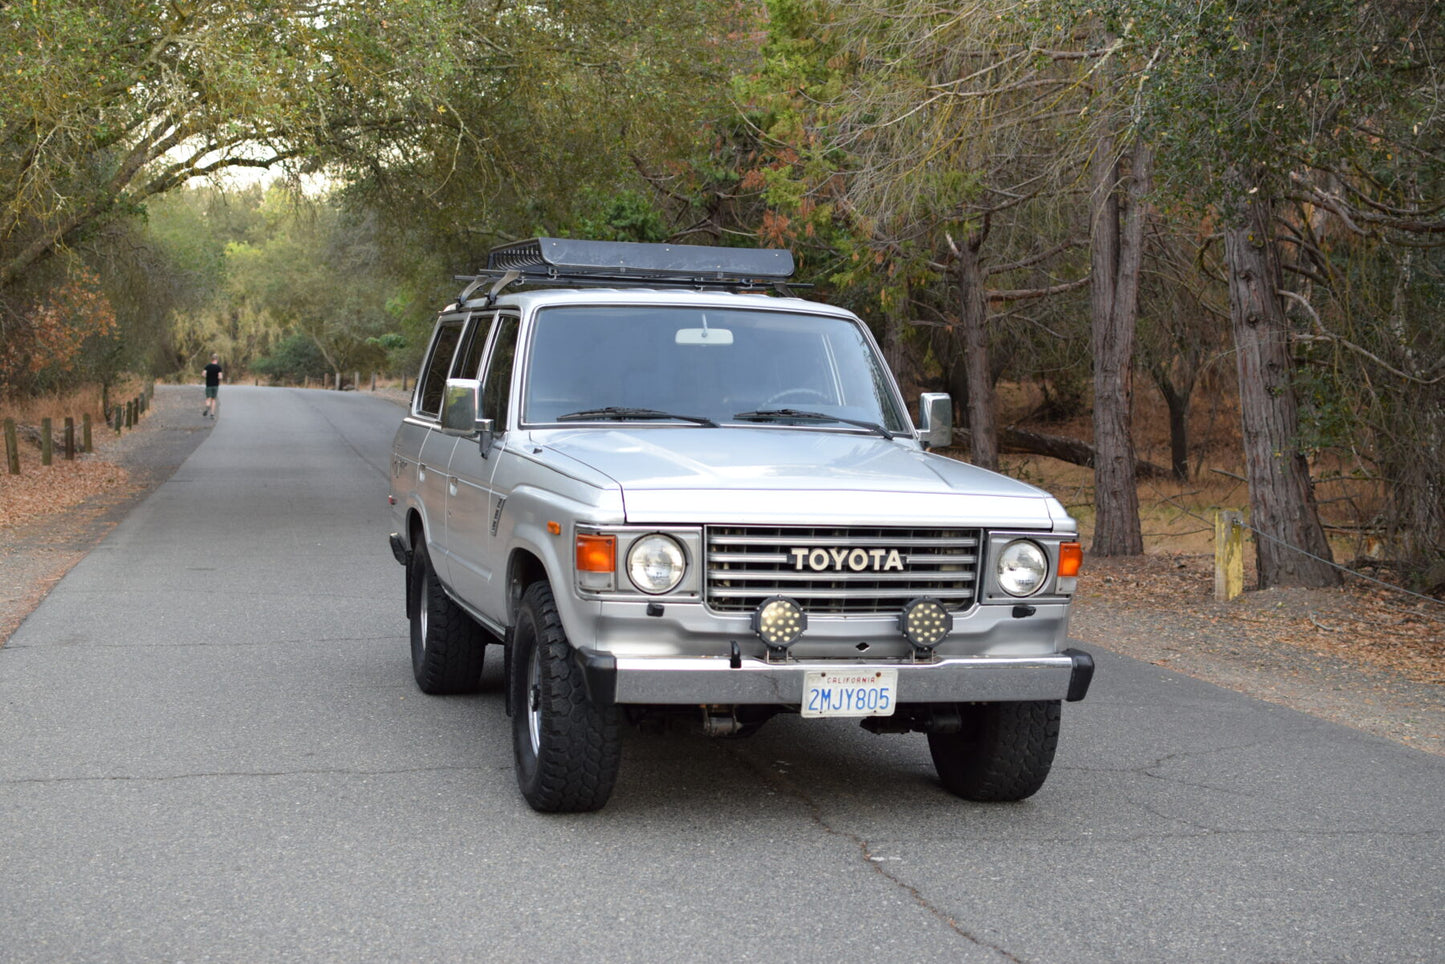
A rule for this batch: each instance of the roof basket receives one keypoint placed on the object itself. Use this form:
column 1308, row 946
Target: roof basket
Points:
column 572, row 263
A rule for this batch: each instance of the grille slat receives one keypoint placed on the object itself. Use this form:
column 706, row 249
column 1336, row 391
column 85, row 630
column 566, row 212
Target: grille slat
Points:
column 820, row 541
column 839, row 594
column 745, row 567
column 903, row 581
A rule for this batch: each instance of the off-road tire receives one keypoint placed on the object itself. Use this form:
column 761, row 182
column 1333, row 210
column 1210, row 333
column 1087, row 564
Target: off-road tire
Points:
column 447, row 645
column 567, row 749
column 1004, row 751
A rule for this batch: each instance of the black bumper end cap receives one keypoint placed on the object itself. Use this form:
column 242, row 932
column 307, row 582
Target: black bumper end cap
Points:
column 1082, row 675
column 399, row 549
column 599, row 672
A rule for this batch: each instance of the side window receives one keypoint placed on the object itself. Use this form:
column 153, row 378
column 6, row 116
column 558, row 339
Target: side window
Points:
column 438, row 363
column 496, row 389
column 469, row 359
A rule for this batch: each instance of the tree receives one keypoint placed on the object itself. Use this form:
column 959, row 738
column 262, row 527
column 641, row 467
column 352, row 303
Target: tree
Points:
column 1243, row 100
column 559, row 119
column 1281, row 494
column 45, row 347
column 1117, row 257
column 924, row 132
column 111, row 103
column 318, row 274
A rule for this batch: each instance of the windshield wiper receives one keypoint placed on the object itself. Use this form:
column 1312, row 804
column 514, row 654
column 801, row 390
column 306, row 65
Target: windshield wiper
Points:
column 764, row 414
column 617, row 414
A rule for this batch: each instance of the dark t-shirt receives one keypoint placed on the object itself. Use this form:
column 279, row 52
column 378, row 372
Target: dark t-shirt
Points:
column 213, row 375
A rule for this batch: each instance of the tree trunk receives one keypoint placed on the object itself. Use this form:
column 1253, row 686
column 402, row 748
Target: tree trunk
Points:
column 1281, row 496
column 1115, row 257
column 973, row 308
column 1177, row 400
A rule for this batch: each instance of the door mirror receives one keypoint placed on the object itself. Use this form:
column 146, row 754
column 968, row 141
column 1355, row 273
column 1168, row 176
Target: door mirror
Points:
column 459, row 412
column 935, row 420
column 460, row 405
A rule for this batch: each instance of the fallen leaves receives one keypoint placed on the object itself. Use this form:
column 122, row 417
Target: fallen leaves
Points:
column 41, row 490
column 1365, row 623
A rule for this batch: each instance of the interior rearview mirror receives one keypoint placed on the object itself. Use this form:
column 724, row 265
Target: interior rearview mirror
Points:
column 704, row 336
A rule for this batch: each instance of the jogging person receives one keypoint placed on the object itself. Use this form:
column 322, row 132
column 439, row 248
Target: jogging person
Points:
column 214, row 374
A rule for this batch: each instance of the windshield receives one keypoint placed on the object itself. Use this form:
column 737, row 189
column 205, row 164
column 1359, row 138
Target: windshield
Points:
column 704, row 363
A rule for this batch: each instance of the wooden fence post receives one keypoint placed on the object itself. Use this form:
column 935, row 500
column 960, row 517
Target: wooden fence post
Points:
column 12, row 447
column 47, row 444
column 69, row 439
column 1228, row 554
column 85, row 440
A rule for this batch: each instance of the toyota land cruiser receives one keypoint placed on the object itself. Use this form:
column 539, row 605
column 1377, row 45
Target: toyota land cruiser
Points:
column 667, row 487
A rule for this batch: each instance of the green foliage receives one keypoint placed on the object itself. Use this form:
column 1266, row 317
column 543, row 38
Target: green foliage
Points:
column 624, row 216
column 1270, row 87
column 296, row 358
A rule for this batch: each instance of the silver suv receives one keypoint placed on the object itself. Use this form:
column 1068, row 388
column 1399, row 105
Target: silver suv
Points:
column 667, row 492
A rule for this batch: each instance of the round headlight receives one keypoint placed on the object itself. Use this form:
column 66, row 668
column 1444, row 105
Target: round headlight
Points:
column 655, row 563
column 1022, row 568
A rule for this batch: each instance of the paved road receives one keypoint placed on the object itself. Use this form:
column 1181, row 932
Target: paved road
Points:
column 211, row 748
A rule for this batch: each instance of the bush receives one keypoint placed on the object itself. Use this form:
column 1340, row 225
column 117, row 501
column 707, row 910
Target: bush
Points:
column 295, row 359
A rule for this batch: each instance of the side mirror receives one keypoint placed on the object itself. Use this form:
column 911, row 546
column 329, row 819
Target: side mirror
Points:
column 935, row 420
column 460, row 404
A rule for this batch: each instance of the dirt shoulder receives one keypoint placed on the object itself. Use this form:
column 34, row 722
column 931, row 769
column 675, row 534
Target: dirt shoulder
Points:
column 1361, row 656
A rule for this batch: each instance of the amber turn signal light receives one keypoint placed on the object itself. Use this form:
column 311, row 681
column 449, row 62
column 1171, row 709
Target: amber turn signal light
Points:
column 596, row 553
column 1071, row 559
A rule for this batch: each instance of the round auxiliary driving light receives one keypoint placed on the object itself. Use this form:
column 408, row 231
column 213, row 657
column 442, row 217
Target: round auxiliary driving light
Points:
column 1022, row 568
column 924, row 623
column 655, row 563
column 779, row 622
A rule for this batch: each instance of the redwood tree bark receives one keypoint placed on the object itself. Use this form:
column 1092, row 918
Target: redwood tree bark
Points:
column 1115, row 257
column 1281, row 495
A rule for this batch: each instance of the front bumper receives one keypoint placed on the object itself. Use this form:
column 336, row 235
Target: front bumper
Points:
column 713, row 680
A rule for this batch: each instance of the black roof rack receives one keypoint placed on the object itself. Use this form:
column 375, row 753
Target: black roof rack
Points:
column 569, row 262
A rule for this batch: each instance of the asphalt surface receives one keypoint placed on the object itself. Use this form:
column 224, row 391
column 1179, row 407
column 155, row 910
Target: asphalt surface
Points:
column 211, row 748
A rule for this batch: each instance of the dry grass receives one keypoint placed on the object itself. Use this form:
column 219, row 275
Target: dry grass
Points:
column 57, row 407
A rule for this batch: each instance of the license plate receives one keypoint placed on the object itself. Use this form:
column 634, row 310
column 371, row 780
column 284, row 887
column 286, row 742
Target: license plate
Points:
column 850, row 692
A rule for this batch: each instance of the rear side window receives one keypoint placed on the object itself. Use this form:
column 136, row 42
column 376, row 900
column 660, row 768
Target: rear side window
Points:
column 438, row 363
column 496, row 389
column 469, row 359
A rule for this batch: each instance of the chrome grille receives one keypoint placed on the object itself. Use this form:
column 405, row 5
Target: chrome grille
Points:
column 747, row 564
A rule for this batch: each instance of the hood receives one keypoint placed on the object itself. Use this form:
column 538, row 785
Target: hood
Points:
column 790, row 476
